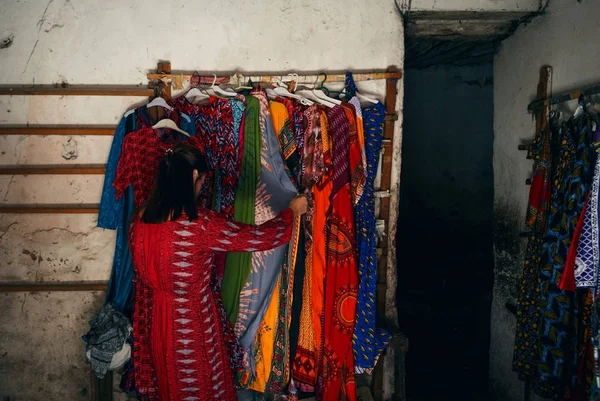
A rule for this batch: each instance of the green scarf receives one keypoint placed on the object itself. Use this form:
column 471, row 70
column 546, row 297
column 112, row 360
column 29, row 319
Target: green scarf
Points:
column 238, row 265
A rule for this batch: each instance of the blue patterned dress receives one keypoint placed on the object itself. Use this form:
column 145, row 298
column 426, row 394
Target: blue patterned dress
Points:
column 564, row 315
column 368, row 341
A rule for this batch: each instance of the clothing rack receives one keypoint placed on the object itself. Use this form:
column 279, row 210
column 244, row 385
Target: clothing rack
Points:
column 164, row 75
column 557, row 99
column 238, row 79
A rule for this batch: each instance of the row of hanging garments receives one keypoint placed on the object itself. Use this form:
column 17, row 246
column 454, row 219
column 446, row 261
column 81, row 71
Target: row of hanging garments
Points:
column 556, row 342
column 299, row 318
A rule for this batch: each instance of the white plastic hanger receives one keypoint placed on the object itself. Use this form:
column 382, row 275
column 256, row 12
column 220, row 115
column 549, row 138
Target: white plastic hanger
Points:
column 364, row 98
column 281, row 90
column 580, row 107
column 159, row 101
column 321, row 95
column 239, row 87
column 195, row 95
column 219, row 90
column 170, row 124
column 271, row 94
column 312, row 96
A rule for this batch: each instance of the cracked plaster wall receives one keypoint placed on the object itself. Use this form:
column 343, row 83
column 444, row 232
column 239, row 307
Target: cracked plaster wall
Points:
column 116, row 42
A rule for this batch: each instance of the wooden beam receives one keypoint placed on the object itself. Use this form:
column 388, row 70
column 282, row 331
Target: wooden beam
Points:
column 67, row 169
column 391, row 92
column 65, row 130
column 164, row 68
column 544, row 90
column 74, row 90
column 101, row 389
column 49, row 209
column 54, row 286
column 459, row 30
column 467, row 15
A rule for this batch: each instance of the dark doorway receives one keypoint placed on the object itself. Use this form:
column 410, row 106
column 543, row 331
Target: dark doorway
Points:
column 444, row 241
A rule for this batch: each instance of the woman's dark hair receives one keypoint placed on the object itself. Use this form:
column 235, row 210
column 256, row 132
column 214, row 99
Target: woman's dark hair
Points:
column 174, row 191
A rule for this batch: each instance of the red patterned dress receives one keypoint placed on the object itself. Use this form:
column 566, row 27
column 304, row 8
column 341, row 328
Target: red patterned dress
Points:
column 341, row 280
column 174, row 260
column 141, row 153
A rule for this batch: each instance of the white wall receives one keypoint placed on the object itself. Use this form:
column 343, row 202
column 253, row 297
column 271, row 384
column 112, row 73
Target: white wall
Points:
column 565, row 40
column 117, row 42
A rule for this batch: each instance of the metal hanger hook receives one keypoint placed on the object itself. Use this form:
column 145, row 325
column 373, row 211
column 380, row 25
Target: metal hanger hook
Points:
column 324, row 79
column 322, row 87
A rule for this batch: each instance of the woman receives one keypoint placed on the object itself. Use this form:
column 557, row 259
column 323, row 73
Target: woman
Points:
column 180, row 350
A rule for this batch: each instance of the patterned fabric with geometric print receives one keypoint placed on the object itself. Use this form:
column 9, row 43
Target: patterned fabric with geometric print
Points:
column 336, row 379
column 273, row 194
column 526, row 350
column 368, row 341
column 185, row 352
column 559, row 309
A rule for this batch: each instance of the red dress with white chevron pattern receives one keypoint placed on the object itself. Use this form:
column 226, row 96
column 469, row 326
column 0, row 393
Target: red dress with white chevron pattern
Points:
column 174, row 260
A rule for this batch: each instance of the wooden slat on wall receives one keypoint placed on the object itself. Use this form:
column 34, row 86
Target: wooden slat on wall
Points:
column 54, row 287
column 66, row 130
column 74, row 90
column 65, row 169
column 50, row 209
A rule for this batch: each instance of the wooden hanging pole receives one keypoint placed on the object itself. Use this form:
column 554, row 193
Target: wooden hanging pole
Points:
column 177, row 78
column 541, row 103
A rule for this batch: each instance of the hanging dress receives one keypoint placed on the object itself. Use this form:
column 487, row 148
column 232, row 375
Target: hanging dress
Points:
column 238, row 264
column 526, row 351
column 296, row 123
column 307, row 360
column 274, row 344
column 273, row 194
column 562, row 314
column 336, row 374
column 304, row 359
column 587, row 260
column 116, row 214
column 136, row 171
column 368, row 341
column 219, row 129
column 186, row 346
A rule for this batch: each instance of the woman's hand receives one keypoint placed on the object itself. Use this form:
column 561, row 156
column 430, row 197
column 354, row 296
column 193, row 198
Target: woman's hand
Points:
column 299, row 205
